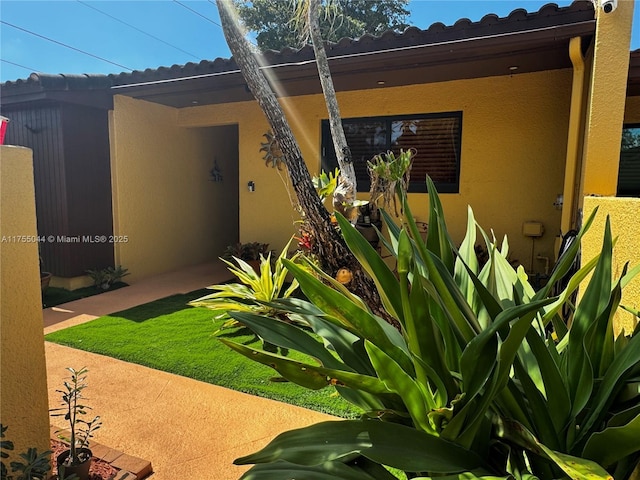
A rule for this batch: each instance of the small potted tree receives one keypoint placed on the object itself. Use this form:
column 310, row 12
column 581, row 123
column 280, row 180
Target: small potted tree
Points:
column 77, row 460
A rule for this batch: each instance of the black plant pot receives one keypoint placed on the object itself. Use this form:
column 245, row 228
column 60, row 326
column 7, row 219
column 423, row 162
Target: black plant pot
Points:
column 369, row 233
column 80, row 470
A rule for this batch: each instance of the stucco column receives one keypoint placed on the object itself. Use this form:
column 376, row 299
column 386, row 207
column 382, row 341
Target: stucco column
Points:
column 607, row 96
column 623, row 213
column 23, row 383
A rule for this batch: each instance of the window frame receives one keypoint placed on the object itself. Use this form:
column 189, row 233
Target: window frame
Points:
column 636, row 192
column 330, row 163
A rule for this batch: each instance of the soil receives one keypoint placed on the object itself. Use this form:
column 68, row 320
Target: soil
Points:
column 100, row 470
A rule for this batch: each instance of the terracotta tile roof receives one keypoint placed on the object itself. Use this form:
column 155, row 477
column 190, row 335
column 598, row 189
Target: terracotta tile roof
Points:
column 87, row 89
column 490, row 25
column 522, row 40
column 518, row 20
column 64, row 81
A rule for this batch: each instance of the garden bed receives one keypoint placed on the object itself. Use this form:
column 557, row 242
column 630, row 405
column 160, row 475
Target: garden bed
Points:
column 107, row 464
column 100, row 470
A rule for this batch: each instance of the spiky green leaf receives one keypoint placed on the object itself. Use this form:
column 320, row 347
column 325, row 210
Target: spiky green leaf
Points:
column 613, row 443
column 386, row 443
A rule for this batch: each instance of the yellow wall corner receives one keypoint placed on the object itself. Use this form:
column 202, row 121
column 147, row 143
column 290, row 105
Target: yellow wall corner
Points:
column 23, row 383
column 607, row 97
column 624, row 214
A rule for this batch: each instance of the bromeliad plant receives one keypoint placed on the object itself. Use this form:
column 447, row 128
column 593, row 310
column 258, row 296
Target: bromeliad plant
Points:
column 470, row 386
column 390, row 174
column 254, row 293
column 326, row 183
column 326, row 186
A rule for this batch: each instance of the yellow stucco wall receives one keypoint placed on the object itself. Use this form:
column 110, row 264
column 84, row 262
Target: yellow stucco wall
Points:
column 71, row 283
column 512, row 163
column 266, row 215
column 165, row 204
column 624, row 214
column 608, row 108
column 607, row 96
column 23, row 383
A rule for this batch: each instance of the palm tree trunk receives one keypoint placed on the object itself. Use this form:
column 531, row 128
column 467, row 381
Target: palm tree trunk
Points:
column 345, row 193
column 329, row 245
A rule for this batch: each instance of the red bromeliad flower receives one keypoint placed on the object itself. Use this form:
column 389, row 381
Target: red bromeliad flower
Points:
column 305, row 241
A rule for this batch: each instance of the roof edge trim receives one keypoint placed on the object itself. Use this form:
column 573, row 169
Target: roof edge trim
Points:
column 360, row 54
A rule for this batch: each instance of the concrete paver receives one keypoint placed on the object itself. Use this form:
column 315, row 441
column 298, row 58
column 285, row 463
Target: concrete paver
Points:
column 186, row 428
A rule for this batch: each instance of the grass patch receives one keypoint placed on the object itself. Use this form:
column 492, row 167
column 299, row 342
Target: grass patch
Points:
column 169, row 335
column 56, row 296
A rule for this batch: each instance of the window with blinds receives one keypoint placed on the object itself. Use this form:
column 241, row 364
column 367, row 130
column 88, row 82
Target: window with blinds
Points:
column 629, row 171
column 435, row 138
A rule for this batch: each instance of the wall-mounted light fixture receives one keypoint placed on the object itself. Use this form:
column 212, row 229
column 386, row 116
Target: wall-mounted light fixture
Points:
column 559, row 201
column 251, row 186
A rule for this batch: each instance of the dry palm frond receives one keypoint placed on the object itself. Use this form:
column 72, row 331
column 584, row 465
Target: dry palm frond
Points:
column 331, row 11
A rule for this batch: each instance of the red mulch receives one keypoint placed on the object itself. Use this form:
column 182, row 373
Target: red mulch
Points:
column 100, row 470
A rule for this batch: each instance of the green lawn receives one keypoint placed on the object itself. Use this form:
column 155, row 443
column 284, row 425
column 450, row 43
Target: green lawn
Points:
column 171, row 336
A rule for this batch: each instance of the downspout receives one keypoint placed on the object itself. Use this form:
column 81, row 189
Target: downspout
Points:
column 573, row 164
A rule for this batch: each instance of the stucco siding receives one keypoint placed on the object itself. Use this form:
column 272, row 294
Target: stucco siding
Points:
column 167, row 211
column 607, row 96
column 512, row 161
column 624, row 214
column 23, row 403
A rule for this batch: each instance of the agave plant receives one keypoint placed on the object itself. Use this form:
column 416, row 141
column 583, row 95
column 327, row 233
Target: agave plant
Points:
column 471, row 385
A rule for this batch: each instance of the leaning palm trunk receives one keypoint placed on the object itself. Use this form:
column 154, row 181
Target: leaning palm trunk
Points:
column 328, row 243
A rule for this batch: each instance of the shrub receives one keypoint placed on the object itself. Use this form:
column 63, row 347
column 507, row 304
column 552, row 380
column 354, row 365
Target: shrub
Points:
column 471, row 385
column 105, row 278
column 246, row 251
column 32, row 466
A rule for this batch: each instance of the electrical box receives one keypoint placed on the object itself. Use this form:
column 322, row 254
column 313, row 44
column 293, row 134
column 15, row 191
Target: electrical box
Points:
column 532, row 229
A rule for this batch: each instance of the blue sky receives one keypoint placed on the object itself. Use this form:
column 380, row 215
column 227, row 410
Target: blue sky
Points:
column 185, row 31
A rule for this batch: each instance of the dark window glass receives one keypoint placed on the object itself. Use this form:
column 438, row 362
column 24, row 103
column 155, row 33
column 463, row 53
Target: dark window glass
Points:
column 629, row 172
column 436, row 138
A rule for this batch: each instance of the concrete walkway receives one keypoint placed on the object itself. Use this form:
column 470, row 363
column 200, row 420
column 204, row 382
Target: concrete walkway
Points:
column 187, row 429
column 182, row 281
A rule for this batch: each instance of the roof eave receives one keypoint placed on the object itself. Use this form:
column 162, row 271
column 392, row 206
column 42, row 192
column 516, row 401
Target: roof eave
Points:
column 530, row 50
